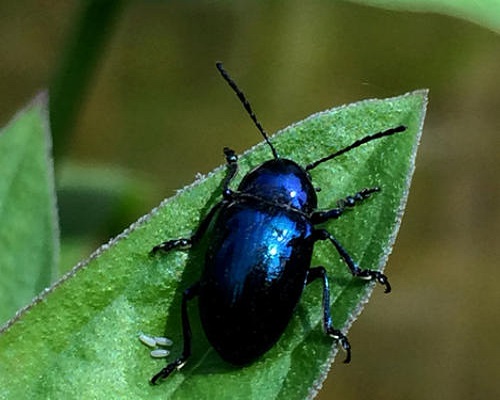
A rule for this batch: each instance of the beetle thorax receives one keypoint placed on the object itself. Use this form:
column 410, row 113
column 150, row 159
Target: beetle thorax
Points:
column 281, row 181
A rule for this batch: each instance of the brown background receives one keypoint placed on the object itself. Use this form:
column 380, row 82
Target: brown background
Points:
column 158, row 108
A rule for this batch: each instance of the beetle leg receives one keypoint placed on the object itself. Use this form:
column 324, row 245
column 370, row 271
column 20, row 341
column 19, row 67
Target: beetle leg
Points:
column 320, row 272
column 188, row 294
column 232, row 168
column 186, row 243
column 318, row 217
column 368, row 274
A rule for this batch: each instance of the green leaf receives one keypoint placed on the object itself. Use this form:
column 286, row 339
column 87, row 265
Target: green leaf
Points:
column 104, row 197
column 28, row 232
column 80, row 339
column 482, row 12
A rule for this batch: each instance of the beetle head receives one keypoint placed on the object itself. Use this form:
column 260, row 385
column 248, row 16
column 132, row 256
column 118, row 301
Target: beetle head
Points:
column 281, row 181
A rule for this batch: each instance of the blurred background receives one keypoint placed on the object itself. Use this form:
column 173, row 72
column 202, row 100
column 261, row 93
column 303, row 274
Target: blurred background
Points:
column 156, row 112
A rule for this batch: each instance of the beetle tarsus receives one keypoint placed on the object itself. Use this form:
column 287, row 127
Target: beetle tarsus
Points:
column 343, row 341
column 319, row 217
column 182, row 244
column 376, row 275
column 165, row 372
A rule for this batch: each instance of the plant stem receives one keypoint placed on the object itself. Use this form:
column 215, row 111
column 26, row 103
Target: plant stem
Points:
column 83, row 51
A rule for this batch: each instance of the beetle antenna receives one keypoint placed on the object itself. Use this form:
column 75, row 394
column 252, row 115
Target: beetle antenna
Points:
column 357, row 143
column 246, row 104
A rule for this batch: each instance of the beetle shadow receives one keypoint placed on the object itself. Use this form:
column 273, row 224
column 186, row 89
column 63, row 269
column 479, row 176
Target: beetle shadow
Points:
column 203, row 358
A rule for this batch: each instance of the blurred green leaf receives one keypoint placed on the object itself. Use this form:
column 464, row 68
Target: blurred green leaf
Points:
column 94, row 200
column 482, row 12
column 80, row 339
column 29, row 234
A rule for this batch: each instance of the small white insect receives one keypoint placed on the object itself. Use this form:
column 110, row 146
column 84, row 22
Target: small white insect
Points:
column 147, row 340
column 159, row 353
column 163, row 341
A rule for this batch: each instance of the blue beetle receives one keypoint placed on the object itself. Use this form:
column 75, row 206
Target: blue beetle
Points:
column 257, row 261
